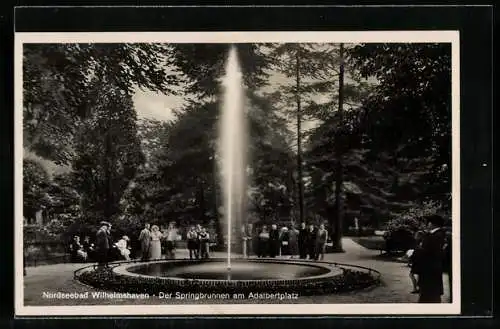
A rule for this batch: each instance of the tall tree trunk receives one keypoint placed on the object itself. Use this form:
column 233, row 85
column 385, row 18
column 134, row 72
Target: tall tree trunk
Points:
column 109, row 192
column 201, row 202
column 299, row 139
column 339, row 215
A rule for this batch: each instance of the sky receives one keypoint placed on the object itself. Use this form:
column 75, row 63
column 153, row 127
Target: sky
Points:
column 152, row 105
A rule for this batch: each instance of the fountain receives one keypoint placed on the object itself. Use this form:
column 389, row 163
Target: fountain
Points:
column 231, row 275
column 232, row 148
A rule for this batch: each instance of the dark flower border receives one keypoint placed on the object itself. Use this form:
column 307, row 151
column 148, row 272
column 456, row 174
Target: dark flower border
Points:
column 349, row 280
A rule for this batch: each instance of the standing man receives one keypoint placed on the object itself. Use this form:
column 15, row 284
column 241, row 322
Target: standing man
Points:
column 145, row 240
column 312, row 235
column 321, row 238
column 431, row 258
column 103, row 244
column 244, row 241
column 249, row 242
column 198, row 245
column 302, row 240
column 170, row 241
column 274, row 240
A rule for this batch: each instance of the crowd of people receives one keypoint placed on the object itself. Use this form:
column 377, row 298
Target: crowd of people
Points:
column 102, row 250
column 428, row 259
column 305, row 242
column 154, row 242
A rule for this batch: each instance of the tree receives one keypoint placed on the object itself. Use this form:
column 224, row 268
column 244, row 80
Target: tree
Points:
column 297, row 62
column 338, row 147
column 59, row 85
column 62, row 196
column 35, row 183
column 203, row 65
column 271, row 162
column 108, row 153
column 154, row 136
column 409, row 112
column 322, row 86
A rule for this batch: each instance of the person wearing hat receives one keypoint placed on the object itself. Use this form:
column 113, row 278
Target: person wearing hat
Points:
column 145, row 240
column 321, row 238
column 102, row 244
column 302, row 241
column 430, row 279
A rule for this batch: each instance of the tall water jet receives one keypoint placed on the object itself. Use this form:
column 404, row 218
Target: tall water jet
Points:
column 233, row 148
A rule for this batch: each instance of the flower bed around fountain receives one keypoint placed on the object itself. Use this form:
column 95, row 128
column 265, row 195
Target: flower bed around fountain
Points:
column 338, row 278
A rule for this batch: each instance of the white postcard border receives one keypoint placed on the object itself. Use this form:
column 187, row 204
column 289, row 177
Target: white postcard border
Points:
column 237, row 37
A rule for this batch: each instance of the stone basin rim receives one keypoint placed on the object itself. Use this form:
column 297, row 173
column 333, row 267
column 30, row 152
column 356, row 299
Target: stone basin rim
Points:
column 122, row 269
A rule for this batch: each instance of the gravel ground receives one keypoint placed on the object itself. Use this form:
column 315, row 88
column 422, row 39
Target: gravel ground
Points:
column 395, row 286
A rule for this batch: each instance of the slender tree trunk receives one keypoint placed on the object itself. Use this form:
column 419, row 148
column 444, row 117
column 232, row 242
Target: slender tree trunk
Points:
column 339, row 170
column 299, row 140
column 109, row 191
column 201, row 202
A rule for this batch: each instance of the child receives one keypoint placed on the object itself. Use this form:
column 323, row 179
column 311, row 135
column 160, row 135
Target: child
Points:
column 413, row 262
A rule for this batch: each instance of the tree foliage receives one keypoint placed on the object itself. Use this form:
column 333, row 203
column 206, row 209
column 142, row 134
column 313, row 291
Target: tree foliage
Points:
column 108, row 153
column 409, row 113
column 35, row 183
column 60, row 80
column 396, row 143
column 204, row 64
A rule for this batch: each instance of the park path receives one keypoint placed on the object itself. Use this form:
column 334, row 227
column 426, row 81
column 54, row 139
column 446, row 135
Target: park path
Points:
column 395, row 287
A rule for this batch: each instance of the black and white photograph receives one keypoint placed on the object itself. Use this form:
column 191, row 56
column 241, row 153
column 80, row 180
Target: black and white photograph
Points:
column 174, row 173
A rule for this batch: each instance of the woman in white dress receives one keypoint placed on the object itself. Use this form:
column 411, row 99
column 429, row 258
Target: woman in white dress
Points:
column 155, row 248
column 123, row 248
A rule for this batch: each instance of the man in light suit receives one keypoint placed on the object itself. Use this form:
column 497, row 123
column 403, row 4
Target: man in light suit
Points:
column 431, row 262
column 145, row 240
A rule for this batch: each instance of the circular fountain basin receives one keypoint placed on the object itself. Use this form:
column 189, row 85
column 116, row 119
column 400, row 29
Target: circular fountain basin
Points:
column 240, row 270
column 245, row 276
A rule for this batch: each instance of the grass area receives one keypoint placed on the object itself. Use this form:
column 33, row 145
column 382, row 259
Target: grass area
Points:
column 371, row 242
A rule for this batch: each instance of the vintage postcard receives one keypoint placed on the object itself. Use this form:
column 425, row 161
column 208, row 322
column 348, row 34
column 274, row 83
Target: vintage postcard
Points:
column 237, row 173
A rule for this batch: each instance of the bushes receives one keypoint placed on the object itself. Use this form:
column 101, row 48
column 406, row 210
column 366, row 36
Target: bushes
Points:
column 401, row 229
column 363, row 231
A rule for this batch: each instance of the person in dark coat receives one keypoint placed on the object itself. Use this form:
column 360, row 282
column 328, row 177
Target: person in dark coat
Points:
column 430, row 269
column 302, row 241
column 103, row 244
column 192, row 242
column 293, row 240
column 263, row 242
column 249, row 242
column 274, row 241
column 312, row 235
column 285, row 241
column 198, row 244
